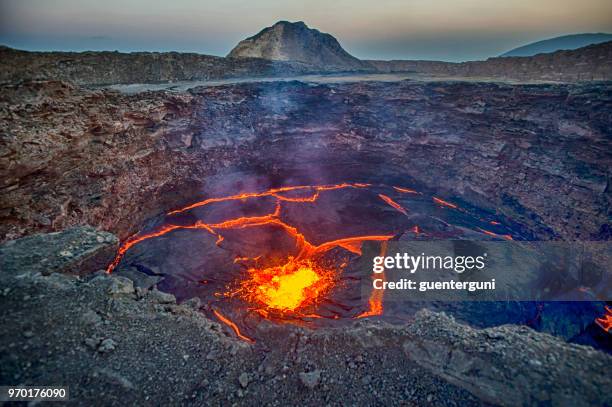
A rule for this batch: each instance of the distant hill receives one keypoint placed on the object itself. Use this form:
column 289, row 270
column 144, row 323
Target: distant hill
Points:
column 566, row 42
column 286, row 41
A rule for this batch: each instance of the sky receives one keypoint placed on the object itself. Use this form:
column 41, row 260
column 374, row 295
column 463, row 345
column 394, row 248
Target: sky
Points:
column 447, row 30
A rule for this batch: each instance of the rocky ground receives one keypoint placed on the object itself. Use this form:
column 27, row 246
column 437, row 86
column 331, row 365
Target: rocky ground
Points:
column 317, row 53
column 106, row 67
column 538, row 155
column 110, row 341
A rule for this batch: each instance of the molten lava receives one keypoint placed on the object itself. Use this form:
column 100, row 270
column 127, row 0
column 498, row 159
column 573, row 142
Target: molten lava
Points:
column 444, row 203
column 232, row 325
column 288, row 287
column 393, row 204
column 605, row 322
column 293, row 286
column 487, row 232
column 376, row 298
column 276, row 193
column 405, row 190
column 297, row 287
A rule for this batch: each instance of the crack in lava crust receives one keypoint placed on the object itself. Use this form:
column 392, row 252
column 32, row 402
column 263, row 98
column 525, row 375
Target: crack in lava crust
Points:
column 299, row 282
column 294, row 289
column 605, row 322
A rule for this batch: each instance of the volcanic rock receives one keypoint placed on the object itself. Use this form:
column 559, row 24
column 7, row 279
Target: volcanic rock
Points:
column 140, row 280
column 93, row 342
column 107, row 345
column 121, row 285
column 91, row 317
column 494, row 362
column 107, row 68
column 62, row 146
column 286, row 41
column 194, row 303
column 310, row 379
column 499, row 147
column 434, row 355
column 81, row 248
column 591, row 63
column 244, row 380
column 294, row 41
column 161, row 297
column 113, row 378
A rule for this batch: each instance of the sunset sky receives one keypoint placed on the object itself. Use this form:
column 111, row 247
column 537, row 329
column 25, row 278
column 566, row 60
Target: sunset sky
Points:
column 383, row 29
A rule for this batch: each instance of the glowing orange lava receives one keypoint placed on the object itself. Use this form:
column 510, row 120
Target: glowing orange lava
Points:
column 392, row 203
column 232, row 325
column 376, row 298
column 405, row 190
column 444, row 203
column 605, row 322
column 132, row 240
column 298, row 285
column 487, row 232
column 287, row 287
column 273, row 192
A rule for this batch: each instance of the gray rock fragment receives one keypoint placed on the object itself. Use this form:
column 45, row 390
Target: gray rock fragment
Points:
column 107, row 345
column 244, row 380
column 492, row 363
column 121, row 286
column 74, row 250
column 114, row 377
column 310, row 379
column 93, row 342
column 140, row 279
column 91, row 317
column 193, row 303
column 160, row 297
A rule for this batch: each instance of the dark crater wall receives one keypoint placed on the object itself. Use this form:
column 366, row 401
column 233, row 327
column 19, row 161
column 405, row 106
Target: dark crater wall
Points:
column 537, row 154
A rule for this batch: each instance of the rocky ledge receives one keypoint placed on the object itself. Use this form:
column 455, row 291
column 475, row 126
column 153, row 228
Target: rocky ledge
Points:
column 591, row 63
column 538, row 155
column 288, row 49
column 107, row 339
column 108, row 68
